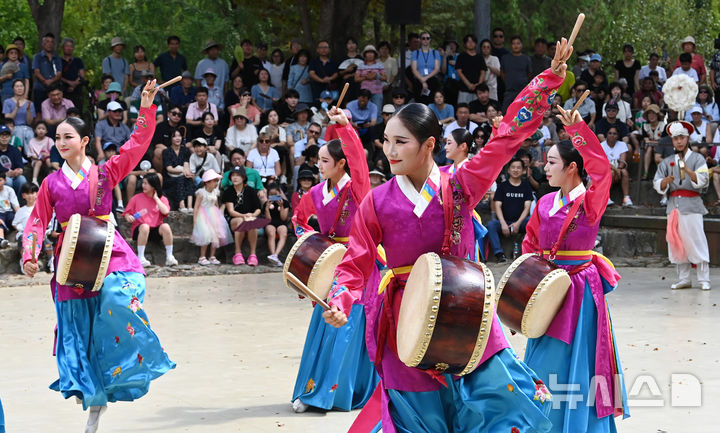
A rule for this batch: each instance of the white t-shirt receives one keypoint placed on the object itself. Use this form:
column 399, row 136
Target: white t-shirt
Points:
column 21, row 217
column 645, row 72
column 265, row 165
column 282, row 135
column 244, row 139
column 613, row 153
column 491, row 78
column 691, row 73
column 453, row 126
column 8, row 199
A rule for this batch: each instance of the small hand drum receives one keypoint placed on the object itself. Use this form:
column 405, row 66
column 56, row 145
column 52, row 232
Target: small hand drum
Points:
column 85, row 252
column 313, row 260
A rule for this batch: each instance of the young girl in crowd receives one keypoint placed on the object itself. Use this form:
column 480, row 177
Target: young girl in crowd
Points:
column 277, row 210
column 39, row 150
column 242, row 204
column 209, row 226
column 105, row 349
column 305, row 180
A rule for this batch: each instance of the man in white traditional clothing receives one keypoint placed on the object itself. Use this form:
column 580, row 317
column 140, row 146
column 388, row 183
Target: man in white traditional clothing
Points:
column 683, row 177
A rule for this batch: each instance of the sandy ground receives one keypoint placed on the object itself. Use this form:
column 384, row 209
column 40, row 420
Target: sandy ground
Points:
column 237, row 340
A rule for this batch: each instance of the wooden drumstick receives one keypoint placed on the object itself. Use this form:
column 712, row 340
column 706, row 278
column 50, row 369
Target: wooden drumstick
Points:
column 576, row 29
column 580, row 100
column 342, row 94
column 309, row 293
column 173, row 81
column 34, row 241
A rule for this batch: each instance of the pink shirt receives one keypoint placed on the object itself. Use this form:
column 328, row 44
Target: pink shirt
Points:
column 195, row 113
column 148, row 210
column 40, row 149
column 374, row 86
column 50, row 111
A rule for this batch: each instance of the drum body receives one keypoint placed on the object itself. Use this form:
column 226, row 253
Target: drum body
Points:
column 85, row 252
column 446, row 314
column 313, row 260
column 530, row 294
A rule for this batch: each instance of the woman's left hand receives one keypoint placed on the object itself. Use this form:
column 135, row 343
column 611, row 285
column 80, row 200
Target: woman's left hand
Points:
column 148, row 94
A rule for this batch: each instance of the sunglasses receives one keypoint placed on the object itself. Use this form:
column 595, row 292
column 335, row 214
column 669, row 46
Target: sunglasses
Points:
column 116, row 111
column 498, row 36
column 313, row 132
column 263, row 141
column 175, row 113
column 425, row 38
column 245, row 94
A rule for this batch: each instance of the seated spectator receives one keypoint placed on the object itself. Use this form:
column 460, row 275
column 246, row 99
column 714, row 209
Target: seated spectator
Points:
column 364, row 115
column 264, row 94
column 312, row 137
column 444, row 112
column 685, row 67
column 610, row 119
column 178, row 179
column 647, row 88
column 478, row 108
column 280, row 144
column 512, row 208
column 8, row 206
column 310, row 161
column 39, row 150
column 253, row 113
column 617, row 153
column 628, row 68
column 297, row 130
column 195, row 110
column 265, row 160
column 11, row 162
column 29, row 195
column 214, row 137
column 321, row 116
column 22, row 112
column 241, row 135
column 183, row 95
column 305, row 181
column 651, row 132
column 299, row 77
column 377, row 156
column 702, row 133
column 101, row 93
column 209, row 225
column 462, row 114
column 377, row 178
column 242, row 204
column 706, row 104
column 133, row 182
column 111, row 129
column 594, row 67
column 111, row 149
column 254, row 181
column 277, row 210
column 232, row 96
column 161, row 138
column 201, row 160
column 14, row 140
column 113, row 93
column 399, row 99
column 54, row 108
column 146, row 213
column 534, row 174
column 624, row 110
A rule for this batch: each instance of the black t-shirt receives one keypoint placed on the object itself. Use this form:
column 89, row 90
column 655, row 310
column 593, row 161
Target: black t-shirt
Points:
column 628, row 73
column 471, row 67
column 217, row 134
column 513, row 199
column 162, row 133
column 602, row 126
column 275, row 219
column 478, row 107
column 245, row 202
column 251, row 65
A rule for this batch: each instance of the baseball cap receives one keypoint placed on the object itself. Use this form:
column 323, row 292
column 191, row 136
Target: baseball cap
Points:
column 306, row 174
column 611, row 106
column 114, row 105
column 695, row 109
column 187, row 74
column 596, row 58
column 108, row 144
column 4, row 129
column 388, row 109
column 325, row 94
column 379, row 173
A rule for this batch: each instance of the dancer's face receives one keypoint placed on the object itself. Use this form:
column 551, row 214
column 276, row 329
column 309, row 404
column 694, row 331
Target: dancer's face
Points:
column 404, row 152
column 68, row 141
column 454, row 151
column 329, row 168
column 554, row 169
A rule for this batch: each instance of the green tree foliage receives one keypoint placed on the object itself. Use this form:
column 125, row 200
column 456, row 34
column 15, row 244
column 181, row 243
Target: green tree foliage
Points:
column 17, row 21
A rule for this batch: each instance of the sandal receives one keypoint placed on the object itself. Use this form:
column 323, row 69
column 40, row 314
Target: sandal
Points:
column 238, row 259
column 213, row 260
column 203, row 261
column 252, row 260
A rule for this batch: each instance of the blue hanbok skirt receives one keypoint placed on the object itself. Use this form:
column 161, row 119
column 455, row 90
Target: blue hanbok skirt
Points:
column 2, row 419
column 335, row 370
column 106, row 350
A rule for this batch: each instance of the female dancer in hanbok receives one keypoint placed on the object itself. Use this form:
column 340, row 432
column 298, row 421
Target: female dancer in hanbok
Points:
column 579, row 347
column 335, row 370
column 105, row 349
column 407, row 216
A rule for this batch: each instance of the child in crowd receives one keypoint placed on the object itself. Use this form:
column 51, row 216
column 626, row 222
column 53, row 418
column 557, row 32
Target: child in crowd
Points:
column 146, row 212
column 209, row 225
column 29, row 194
column 8, row 206
column 14, row 140
column 201, row 161
column 277, row 210
column 39, row 150
column 306, row 180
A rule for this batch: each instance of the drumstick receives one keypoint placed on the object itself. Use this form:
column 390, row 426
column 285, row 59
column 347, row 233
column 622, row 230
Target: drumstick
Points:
column 576, row 29
column 580, row 100
column 34, row 241
column 299, row 284
column 342, row 94
column 167, row 83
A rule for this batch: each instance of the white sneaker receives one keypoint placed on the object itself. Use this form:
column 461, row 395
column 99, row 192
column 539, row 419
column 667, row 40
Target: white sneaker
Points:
column 627, row 202
column 274, row 259
column 51, row 264
column 145, row 262
column 681, row 285
column 663, row 201
column 610, row 202
column 705, row 286
column 299, row 407
column 171, row 261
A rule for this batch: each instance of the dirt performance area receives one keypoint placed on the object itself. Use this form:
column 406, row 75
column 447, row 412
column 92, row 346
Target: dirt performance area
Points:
column 237, row 342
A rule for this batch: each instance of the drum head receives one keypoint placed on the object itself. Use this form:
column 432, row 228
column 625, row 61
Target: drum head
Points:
column 419, row 307
column 545, row 303
column 323, row 273
column 67, row 250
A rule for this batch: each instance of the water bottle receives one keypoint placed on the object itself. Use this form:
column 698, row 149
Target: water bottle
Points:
column 516, row 251
column 139, row 213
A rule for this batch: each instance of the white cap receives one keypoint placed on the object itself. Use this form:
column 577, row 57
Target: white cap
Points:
column 114, row 105
column 696, row 109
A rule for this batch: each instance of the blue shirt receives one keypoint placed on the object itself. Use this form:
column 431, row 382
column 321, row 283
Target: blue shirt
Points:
column 297, row 75
column 49, row 68
column 23, row 73
column 221, row 70
column 425, row 61
column 20, row 116
column 362, row 115
column 117, row 67
column 264, row 102
column 179, row 98
column 448, row 111
column 170, row 67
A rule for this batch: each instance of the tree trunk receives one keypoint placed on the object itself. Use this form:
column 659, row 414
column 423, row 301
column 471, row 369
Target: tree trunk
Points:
column 305, row 22
column 481, row 21
column 339, row 20
column 48, row 18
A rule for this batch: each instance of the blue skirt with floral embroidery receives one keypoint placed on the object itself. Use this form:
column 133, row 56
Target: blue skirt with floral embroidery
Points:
column 106, row 350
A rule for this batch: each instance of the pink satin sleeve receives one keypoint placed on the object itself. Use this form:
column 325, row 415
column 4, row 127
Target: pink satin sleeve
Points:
column 355, row 154
column 132, row 152
column 302, row 215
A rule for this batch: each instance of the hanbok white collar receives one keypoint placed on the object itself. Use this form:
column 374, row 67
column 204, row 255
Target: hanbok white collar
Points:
column 453, row 169
column 77, row 178
column 420, row 199
column 328, row 195
column 559, row 202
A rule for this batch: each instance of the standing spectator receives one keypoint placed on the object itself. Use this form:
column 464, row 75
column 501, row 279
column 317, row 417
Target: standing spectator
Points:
column 21, row 111
column 617, row 153
column 697, row 62
column 323, row 71
column 242, row 204
column 212, row 50
column 73, row 73
column 629, row 69
column 295, row 47
column 249, row 67
column 146, row 213
column 241, row 135
column 178, row 179
column 540, row 61
column 652, row 131
column 277, row 210
column 371, row 75
column 54, row 108
column 686, row 68
column 264, row 94
column 390, row 64
column 139, row 66
column 594, row 67
column 448, row 69
column 498, row 43
column 715, row 74
column 264, row 159
column 183, row 94
column 348, row 65
column 425, row 67
column 299, row 77
column 652, row 65
column 215, row 90
column 587, row 109
column 412, row 45
column 201, row 160
column 39, row 150
column 493, row 72
column 171, row 62
column 516, row 70
column 511, row 201
column 277, row 64
column 11, row 162
column 707, row 106
column 471, row 69
column 209, row 226
column 21, row 73
column 443, row 111
column 201, row 105
column 262, row 48
column 116, row 65
column 24, row 58
column 111, row 129
column 47, row 70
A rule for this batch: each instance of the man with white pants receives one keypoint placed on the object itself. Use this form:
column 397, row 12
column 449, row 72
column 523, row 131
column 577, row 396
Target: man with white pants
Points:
column 683, row 177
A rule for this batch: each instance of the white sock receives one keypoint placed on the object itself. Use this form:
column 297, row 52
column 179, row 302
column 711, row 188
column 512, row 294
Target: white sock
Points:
column 141, row 251
column 94, row 418
column 120, row 203
column 168, row 251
